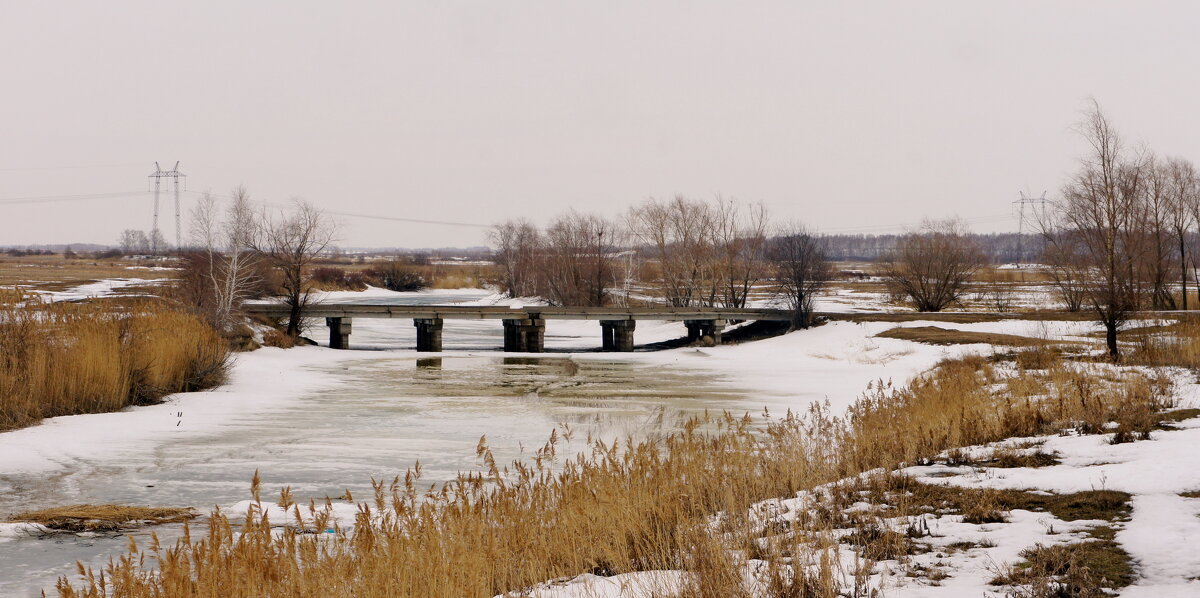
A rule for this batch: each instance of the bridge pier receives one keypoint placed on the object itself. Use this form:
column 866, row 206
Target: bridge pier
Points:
column 527, row 335
column 339, row 332
column 429, row 334
column 617, row 334
column 698, row 329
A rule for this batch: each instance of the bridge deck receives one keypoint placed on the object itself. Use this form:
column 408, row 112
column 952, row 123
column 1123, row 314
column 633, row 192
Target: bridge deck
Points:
column 459, row 312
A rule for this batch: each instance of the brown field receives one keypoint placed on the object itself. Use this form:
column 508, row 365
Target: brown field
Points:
column 942, row 336
column 55, row 273
column 966, row 317
column 436, row 275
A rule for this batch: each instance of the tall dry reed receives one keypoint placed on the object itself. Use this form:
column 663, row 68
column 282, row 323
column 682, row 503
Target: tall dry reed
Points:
column 67, row 358
column 1175, row 345
column 618, row 507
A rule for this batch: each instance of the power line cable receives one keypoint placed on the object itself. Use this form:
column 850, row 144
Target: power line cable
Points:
column 73, row 197
column 35, row 168
column 356, row 214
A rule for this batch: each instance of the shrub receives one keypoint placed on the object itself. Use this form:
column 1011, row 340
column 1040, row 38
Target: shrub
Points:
column 397, row 275
column 932, row 267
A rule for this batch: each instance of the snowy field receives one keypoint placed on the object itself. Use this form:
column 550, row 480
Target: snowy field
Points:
column 322, row 421
column 1162, row 534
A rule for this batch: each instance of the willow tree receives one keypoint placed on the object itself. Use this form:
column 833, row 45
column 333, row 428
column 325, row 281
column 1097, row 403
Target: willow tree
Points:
column 933, row 266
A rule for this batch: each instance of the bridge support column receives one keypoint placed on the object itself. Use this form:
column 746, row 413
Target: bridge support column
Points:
column 606, row 335
column 617, row 334
column 716, row 328
column 524, row 335
column 698, row 329
column 429, row 334
column 339, row 332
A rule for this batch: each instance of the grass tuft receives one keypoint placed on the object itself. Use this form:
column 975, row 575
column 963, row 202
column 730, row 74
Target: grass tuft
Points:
column 1079, row 569
column 103, row 518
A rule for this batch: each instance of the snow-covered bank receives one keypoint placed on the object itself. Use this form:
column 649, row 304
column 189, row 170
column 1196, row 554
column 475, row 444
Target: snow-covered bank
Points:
column 259, row 381
column 961, row 558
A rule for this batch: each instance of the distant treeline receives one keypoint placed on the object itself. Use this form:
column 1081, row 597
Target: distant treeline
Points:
column 1000, row 248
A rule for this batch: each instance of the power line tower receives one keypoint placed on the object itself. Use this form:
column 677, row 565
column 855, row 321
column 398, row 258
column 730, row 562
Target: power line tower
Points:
column 1038, row 207
column 158, row 175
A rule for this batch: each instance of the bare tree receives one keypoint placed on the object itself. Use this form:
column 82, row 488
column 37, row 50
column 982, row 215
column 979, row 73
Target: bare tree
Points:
column 933, row 265
column 230, row 269
column 1100, row 224
column 577, row 262
column 158, row 243
column 1158, row 216
column 1063, row 260
column 800, row 269
column 291, row 242
column 740, row 236
column 133, row 241
column 678, row 234
column 1184, row 197
column 517, row 244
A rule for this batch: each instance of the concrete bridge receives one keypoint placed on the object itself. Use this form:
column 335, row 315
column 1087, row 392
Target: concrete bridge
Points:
column 524, row 327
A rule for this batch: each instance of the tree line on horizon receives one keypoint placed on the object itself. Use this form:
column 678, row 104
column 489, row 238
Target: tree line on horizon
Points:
column 680, row 252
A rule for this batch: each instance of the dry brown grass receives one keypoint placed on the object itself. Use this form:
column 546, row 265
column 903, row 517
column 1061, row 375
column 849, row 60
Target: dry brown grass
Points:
column 629, row 507
column 969, row 401
column 64, row 359
column 103, row 518
column 1008, row 275
column 1078, row 569
column 961, row 317
column 934, row 335
column 1174, row 345
column 436, row 276
column 275, row 338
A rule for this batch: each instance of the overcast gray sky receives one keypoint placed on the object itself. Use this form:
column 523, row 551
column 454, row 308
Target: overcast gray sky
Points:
column 849, row 116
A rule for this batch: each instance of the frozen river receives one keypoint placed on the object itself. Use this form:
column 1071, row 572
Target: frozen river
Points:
column 374, row 414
